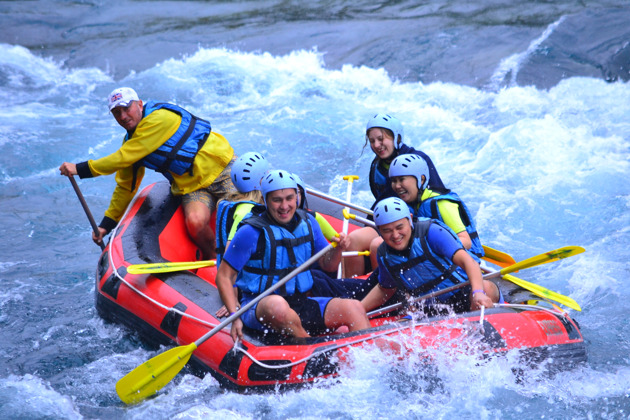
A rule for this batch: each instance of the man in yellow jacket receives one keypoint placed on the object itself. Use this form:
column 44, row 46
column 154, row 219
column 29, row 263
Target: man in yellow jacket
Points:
column 168, row 139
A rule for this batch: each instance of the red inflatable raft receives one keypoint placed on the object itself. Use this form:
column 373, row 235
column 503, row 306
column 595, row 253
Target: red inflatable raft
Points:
column 178, row 308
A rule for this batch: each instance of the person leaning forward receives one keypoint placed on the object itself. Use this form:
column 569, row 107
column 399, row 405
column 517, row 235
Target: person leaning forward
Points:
column 267, row 247
column 423, row 257
column 170, row 140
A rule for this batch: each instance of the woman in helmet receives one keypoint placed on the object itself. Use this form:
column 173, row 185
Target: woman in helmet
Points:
column 384, row 133
column 410, row 177
column 424, row 257
column 247, row 171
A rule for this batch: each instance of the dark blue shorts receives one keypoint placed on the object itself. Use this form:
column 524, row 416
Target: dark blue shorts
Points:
column 310, row 310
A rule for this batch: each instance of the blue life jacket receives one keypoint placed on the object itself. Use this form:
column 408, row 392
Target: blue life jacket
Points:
column 379, row 178
column 225, row 221
column 178, row 152
column 380, row 184
column 419, row 270
column 280, row 253
column 429, row 208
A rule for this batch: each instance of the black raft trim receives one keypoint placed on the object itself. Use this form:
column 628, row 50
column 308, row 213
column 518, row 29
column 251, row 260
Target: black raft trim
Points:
column 112, row 284
column 170, row 323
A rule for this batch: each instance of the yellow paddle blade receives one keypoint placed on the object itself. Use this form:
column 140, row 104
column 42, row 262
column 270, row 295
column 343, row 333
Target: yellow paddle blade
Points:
column 547, row 257
column 167, row 267
column 497, row 257
column 538, row 290
column 153, row 375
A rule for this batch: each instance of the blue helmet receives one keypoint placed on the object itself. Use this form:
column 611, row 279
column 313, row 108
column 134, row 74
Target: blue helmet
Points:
column 277, row 180
column 391, row 210
column 411, row 165
column 388, row 122
column 248, row 170
column 302, row 192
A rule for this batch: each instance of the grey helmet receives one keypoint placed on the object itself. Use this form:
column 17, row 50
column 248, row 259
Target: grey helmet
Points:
column 410, row 165
column 248, row 170
column 389, row 122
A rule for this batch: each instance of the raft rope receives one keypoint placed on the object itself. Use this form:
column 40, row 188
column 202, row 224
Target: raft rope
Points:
column 317, row 352
column 322, row 350
column 132, row 287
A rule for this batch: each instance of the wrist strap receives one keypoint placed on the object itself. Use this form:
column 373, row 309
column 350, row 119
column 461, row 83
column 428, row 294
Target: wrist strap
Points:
column 478, row 291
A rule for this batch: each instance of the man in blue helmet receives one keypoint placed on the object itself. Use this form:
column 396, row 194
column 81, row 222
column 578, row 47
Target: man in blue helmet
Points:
column 424, row 257
column 267, row 247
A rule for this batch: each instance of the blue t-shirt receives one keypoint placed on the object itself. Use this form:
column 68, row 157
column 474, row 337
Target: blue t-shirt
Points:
column 245, row 241
column 441, row 241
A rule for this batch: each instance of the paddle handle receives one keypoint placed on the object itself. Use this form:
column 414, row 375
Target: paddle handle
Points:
column 86, row 209
column 264, row 294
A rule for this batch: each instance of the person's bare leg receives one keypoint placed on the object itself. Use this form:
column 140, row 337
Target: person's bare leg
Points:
column 275, row 311
column 348, row 312
column 491, row 290
column 197, row 216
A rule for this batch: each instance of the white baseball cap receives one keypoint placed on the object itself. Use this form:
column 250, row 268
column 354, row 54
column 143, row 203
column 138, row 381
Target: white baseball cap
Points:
column 121, row 97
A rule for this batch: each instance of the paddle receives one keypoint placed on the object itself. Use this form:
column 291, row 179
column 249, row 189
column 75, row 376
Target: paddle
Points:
column 167, row 267
column 154, row 374
column 543, row 292
column 88, row 213
column 547, row 257
column 497, row 257
column 350, row 179
column 538, row 290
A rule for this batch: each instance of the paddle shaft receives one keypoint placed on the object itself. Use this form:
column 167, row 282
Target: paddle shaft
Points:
column 264, row 294
column 88, row 213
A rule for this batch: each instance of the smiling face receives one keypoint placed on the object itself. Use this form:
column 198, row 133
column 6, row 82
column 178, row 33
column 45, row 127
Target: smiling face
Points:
column 396, row 234
column 381, row 142
column 128, row 116
column 406, row 187
column 281, row 205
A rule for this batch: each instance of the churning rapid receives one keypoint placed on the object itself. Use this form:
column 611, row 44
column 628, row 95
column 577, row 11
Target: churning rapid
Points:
column 523, row 109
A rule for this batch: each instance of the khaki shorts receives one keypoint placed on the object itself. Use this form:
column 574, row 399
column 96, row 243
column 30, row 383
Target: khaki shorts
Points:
column 220, row 188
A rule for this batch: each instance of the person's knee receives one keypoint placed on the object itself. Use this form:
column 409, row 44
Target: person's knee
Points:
column 197, row 219
column 350, row 310
column 274, row 310
column 491, row 290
